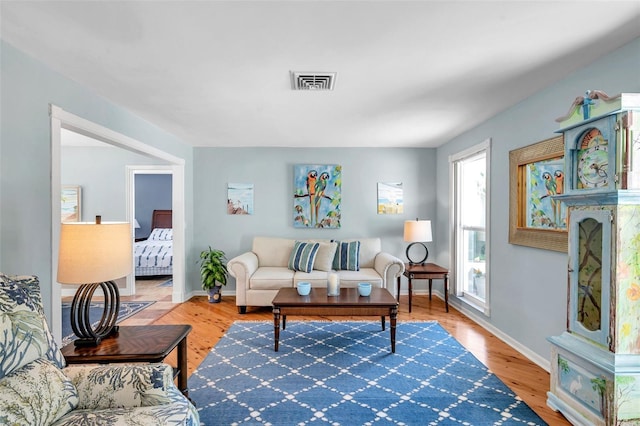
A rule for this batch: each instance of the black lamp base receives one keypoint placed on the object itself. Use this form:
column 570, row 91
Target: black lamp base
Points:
column 419, row 262
column 80, row 313
column 84, row 342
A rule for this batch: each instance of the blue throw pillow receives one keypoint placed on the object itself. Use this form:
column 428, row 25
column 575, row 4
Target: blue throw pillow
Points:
column 303, row 256
column 347, row 256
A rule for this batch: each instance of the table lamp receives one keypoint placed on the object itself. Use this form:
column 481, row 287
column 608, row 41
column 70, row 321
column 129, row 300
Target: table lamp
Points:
column 417, row 232
column 92, row 255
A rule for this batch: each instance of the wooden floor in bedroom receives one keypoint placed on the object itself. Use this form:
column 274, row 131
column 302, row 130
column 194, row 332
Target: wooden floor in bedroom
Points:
column 211, row 320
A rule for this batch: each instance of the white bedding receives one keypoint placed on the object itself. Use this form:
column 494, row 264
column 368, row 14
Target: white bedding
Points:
column 154, row 256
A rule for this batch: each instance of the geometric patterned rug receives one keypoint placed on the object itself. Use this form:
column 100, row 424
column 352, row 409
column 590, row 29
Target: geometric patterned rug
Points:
column 127, row 309
column 343, row 373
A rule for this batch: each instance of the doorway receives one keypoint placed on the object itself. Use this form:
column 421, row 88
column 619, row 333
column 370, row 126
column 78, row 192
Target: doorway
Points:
column 61, row 119
column 150, row 187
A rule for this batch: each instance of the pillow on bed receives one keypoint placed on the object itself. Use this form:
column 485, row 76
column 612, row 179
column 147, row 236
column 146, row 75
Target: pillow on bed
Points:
column 161, row 234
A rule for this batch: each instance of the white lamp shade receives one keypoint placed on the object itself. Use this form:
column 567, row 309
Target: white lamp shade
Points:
column 94, row 253
column 417, row 231
column 136, row 224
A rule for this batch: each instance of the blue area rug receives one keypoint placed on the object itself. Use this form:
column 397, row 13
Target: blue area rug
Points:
column 127, row 309
column 343, row 373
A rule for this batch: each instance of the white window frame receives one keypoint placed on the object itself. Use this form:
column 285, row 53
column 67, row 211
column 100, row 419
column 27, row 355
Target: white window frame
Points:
column 457, row 286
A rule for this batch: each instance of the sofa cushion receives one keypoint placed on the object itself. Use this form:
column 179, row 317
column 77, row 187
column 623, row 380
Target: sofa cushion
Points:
column 303, row 256
column 167, row 414
column 130, row 385
column 352, row 278
column 347, row 256
column 272, row 251
column 23, row 326
column 369, row 249
column 315, row 277
column 324, row 258
column 36, row 394
column 271, row 278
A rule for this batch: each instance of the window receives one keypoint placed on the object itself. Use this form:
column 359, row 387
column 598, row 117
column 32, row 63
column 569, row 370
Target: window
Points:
column 470, row 217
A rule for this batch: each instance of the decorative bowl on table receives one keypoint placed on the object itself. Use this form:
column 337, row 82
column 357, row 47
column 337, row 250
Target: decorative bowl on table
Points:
column 304, row 288
column 364, row 289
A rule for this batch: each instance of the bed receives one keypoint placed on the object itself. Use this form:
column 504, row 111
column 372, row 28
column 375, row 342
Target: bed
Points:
column 154, row 256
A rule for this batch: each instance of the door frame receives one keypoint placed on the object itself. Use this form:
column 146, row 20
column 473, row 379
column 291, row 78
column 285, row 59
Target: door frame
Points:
column 61, row 119
column 149, row 169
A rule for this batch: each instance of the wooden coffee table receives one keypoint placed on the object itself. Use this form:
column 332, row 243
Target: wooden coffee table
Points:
column 145, row 343
column 379, row 303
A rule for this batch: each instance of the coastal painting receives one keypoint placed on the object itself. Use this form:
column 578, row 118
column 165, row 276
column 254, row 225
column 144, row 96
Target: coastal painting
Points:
column 70, row 203
column 390, row 198
column 239, row 198
column 317, row 196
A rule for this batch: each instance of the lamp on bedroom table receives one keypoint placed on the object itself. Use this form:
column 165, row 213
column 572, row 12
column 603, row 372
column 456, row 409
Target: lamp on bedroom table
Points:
column 417, row 232
column 92, row 255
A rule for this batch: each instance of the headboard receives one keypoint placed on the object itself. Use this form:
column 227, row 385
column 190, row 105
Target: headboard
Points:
column 162, row 219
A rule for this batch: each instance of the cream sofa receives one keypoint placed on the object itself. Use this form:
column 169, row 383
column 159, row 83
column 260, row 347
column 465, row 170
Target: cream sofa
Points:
column 261, row 272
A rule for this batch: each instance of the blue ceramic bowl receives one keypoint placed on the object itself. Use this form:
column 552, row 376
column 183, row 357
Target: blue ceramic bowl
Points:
column 364, row 289
column 304, row 288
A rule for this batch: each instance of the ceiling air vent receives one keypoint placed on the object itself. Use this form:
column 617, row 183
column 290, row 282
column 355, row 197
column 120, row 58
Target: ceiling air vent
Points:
column 312, row 80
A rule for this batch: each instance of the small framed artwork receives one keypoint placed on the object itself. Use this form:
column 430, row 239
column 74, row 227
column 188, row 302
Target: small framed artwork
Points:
column 317, row 195
column 390, row 198
column 239, row 198
column 70, row 205
column 536, row 175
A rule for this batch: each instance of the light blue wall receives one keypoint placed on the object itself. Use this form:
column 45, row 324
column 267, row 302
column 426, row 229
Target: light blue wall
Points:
column 28, row 87
column 528, row 285
column 528, row 301
column 271, row 172
column 103, row 182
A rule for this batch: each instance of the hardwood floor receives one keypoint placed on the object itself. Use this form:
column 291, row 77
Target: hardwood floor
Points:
column 211, row 320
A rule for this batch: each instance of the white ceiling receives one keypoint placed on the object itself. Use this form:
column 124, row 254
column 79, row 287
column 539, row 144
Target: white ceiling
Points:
column 409, row 74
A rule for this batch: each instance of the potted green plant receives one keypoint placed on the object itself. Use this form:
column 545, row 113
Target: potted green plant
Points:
column 213, row 271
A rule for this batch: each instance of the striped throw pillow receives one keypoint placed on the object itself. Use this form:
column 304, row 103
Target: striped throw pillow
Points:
column 347, row 256
column 303, row 256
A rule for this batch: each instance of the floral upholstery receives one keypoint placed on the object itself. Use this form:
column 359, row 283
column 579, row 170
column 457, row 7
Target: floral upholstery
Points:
column 110, row 386
column 45, row 384
column 37, row 389
column 25, row 334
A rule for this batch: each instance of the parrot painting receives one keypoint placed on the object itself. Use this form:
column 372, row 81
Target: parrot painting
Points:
column 551, row 184
column 559, row 180
column 312, row 184
column 312, row 179
column 320, row 187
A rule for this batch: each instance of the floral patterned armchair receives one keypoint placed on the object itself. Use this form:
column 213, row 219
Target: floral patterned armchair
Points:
column 37, row 389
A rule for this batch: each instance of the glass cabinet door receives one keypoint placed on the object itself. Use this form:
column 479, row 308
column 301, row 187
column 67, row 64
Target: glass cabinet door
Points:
column 590, row 274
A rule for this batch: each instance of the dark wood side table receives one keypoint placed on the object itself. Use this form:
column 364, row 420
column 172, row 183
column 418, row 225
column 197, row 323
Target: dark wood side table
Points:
column 145, row 343
column 428, row 271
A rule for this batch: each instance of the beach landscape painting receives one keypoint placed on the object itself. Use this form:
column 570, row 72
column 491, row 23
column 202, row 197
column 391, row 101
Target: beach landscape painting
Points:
column 240, row 198
column 390, row 200
column 70, row 207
